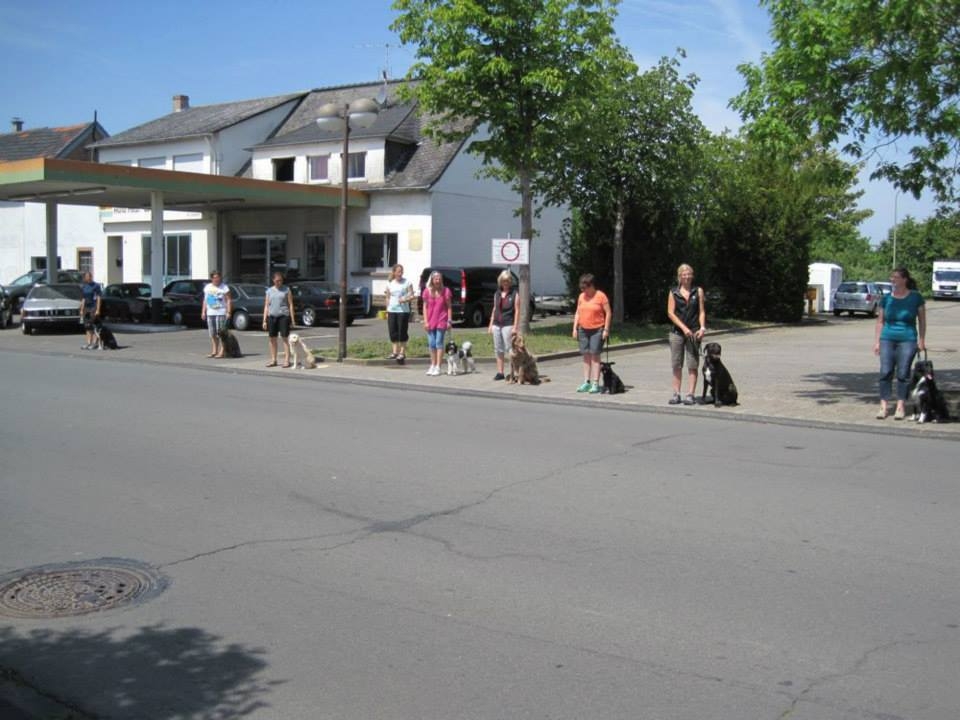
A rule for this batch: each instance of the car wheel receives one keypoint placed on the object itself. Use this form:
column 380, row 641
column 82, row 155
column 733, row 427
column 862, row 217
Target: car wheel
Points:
column 241, row 321
column 836, row 313
column 873, row 311
column 308, row 317
column 25, row 329
column 349, row 321
column 177, row 317
column 475, row 316
column 850, row 313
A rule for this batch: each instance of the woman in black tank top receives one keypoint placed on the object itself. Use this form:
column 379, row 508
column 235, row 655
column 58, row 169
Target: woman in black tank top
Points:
column 685, row 308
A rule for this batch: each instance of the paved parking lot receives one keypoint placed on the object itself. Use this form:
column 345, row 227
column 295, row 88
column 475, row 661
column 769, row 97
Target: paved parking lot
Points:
column 819, row 372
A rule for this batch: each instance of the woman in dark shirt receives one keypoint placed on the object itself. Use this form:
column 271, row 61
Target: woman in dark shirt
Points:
column 687, row 312
column 503, row 319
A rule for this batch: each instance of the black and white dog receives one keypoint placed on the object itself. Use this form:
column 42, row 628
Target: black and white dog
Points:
column 716, row 378
column 928, row 402
column 106, row 340
column 460, row 358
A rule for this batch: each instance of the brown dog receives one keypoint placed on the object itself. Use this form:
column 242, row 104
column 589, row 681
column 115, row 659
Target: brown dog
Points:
column 523, row 366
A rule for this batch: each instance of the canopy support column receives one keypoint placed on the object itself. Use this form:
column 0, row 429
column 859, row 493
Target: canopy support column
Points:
column 156, row 256
column 51, row 208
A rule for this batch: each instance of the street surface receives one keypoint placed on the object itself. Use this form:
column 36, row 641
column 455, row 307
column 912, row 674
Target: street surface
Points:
column 359, row 551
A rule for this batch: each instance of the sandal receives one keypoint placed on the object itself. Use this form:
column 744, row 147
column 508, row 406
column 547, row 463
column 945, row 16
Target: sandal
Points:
column 392, row 356
column 211, row 355
column 881, row 415
column 286, row 365
column 272, row 364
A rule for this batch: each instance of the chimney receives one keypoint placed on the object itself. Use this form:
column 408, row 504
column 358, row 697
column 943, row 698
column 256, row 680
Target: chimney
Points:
column 181, row 102
column 17, row 124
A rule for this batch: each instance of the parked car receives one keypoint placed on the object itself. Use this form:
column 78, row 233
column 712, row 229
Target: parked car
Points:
column 126, row 302
column 472, row 288
column 554, row 304
column 856, row 296
column 49, row 306
column 318, row 301
column 18, row 289
column 6, row 311
column 183, row 301
column 248, row 299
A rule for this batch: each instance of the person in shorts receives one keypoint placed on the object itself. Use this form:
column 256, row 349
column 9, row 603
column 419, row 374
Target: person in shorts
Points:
column 591, row 328
column 277, row 317
column 688, row 314
column 90, row 308
column 216, row 308
column 504, row 319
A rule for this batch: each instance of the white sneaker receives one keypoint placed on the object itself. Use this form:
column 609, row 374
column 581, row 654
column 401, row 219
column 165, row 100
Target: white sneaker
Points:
column 430, row 371
column 436, row 370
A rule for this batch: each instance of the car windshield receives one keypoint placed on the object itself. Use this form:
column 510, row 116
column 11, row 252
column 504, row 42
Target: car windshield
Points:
column 848, row 288
column 142, row 291
column 254, row 291
column 947, row 275
column 29, row 279
column 56, row 292
column 319, row 287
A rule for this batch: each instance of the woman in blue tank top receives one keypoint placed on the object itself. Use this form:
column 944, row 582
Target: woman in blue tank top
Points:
column 900, row 332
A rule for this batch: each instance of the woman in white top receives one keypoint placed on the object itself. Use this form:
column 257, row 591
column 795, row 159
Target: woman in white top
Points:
column 399, row 293
column 277, row 318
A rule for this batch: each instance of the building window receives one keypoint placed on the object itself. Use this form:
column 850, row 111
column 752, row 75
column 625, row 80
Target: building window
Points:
column 85, row 260
column 357, row 166
column 319, row 167
column 379, row 250
column 189, row 163
column 39, row 262
column 316, row 244
column 159, row 163
column 176, row 257
column 283, row 169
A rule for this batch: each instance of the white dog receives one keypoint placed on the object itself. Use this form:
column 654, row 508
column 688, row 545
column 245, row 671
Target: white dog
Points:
column 302, row 357
column 460, row 359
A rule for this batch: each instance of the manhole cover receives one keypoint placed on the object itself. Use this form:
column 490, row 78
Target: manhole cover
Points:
column 78, row 588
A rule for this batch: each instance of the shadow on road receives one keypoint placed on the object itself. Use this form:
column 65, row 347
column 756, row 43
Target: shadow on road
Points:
column 156, row 672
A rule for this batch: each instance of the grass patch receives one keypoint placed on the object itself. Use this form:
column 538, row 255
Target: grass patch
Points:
column 544, row 339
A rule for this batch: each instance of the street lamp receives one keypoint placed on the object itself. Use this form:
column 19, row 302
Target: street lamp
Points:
column 896, row 194
column 357, row 114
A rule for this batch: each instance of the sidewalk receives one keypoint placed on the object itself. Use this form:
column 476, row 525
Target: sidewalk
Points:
column 818, row 373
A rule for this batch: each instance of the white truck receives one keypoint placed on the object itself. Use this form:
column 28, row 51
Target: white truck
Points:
column 946, row 279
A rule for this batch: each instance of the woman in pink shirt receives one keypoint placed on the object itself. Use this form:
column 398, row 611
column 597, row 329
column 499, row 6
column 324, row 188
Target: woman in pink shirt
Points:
column 437, row 301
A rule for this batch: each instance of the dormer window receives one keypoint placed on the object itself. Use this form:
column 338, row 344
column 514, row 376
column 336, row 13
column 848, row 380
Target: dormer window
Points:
column 319, row 167
column 283, row 169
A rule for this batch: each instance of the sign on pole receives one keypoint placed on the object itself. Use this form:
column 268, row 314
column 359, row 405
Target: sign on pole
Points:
column 511, row 251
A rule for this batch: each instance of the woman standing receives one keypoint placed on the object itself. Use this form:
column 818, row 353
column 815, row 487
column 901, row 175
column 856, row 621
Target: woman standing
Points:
column 901, row 331
column 277, row 316
column 687, row 311
column 437, row 301
column 503, row 319
column 591, row 327
column 399, row 293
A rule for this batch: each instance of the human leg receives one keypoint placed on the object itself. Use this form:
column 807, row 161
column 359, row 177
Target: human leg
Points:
column 904, row 353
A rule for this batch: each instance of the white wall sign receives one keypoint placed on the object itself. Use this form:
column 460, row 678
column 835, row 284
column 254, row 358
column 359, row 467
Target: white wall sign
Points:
column 511, row 251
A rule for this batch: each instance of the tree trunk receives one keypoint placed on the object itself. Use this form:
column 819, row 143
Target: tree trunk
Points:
column 618, row 223
column 526, row 232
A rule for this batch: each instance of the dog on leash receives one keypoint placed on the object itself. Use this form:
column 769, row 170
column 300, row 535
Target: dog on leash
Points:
column 459, row 358
column 612, row 384
column 302, row 356
column 523, row 366
column 229, row 343
column 716, row 378
column 105, row 339
column 929, row 404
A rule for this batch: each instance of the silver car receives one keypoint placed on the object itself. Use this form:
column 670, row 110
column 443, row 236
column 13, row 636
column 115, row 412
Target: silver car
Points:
column 857, row 296
column 51, row 306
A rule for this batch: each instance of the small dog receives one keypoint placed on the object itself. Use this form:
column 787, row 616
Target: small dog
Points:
column 928, row 402
column 460, row 358
column 302, row 356
column 106, row 340
column 230, row 344
column 523, row 366
column 717, row 378
column 612, row 383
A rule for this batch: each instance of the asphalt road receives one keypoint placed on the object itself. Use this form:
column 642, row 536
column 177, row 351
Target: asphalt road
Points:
column 347, row 552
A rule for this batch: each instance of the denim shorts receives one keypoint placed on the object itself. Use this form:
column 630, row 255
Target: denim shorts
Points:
column 435, row 338
column 591, row 341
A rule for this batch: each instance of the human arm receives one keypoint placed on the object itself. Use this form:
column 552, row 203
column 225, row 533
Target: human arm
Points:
column 703, row 314
column 878, row 327
column 607, row 317
column 266, row 309
column 448, row 302
column 576, row 318
column 922, row 328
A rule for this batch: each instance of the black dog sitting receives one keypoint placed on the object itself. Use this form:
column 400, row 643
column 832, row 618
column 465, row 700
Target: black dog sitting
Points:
column 717, row 378
column 106, row 340
column 612, row 383
column 230, row 344
column 928, row 402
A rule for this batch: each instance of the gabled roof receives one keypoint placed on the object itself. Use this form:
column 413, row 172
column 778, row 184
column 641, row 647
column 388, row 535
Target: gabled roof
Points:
column 197, row 121
column 397, row 122
column 57, row 142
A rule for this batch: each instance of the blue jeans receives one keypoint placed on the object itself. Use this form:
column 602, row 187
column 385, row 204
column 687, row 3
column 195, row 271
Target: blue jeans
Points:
column 899, row 354
column 435, row 338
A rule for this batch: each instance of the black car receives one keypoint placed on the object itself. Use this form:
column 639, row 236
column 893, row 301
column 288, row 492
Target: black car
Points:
column 126, row 302
column 18, row 289
column 6, row 312
column 472, row 288
column 317, row 301
column 248, row 300
column 183, row 301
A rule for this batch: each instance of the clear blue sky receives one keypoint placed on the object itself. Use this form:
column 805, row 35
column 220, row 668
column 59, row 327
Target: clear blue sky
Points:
column 65, row 60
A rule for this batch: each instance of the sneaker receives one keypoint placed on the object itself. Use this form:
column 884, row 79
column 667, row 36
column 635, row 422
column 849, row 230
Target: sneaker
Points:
column 675, row 400
column 431, row 369
column 498, row 376
column 392, row 356
column 594, row 388
column 435, row 370
column 689, row 400
column 584, row 388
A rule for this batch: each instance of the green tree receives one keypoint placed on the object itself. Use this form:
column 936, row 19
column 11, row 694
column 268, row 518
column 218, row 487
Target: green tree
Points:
column 918, row 244
column 635, row 147
column 869, row 74
column 514, row 69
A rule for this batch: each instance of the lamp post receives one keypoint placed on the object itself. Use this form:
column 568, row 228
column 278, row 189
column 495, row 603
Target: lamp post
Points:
column 896, row 195
column 357, row 114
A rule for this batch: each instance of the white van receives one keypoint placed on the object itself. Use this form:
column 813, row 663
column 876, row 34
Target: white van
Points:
column 946, row 279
